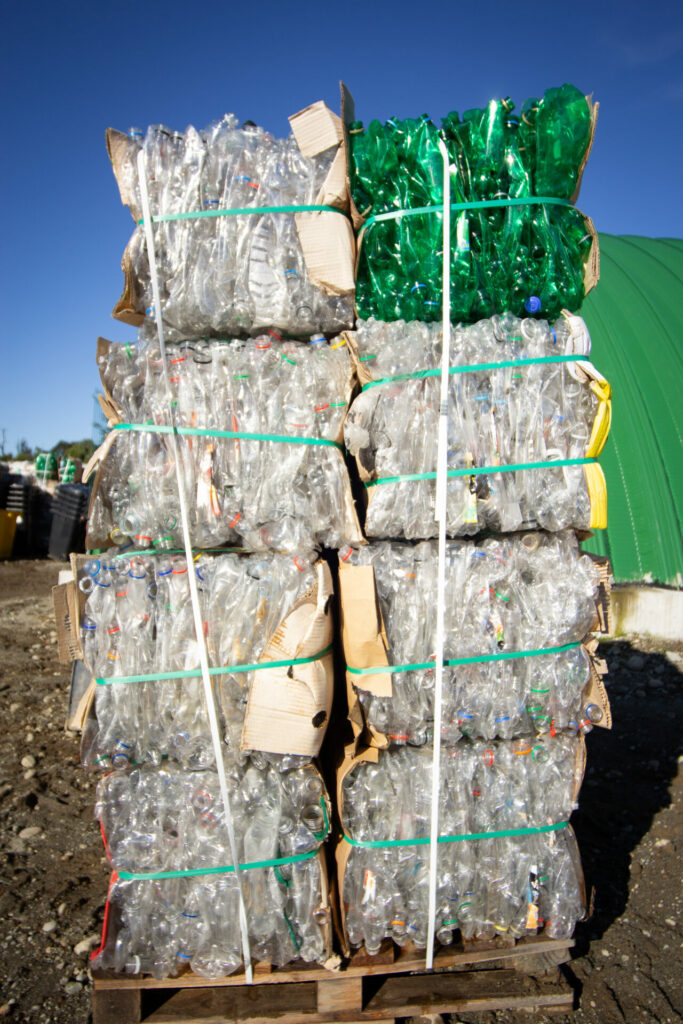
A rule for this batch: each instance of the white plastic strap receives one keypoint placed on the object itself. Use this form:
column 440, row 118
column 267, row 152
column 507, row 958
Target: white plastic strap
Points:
column 440, row 517
column 579, row 343
column 192, row 579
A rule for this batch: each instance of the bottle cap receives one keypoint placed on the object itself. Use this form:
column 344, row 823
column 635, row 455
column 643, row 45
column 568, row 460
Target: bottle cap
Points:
column 593, row 713
column 532, row 304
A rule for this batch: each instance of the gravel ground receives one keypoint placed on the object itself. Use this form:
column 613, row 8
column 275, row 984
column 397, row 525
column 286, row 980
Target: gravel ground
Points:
column 53, row 875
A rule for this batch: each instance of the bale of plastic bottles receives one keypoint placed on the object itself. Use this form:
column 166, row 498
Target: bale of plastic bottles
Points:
column 267, row 631
column 224, row 267
column 260, row 429
column 518, row 242
column 522, row 395
column 254, row 246
column 524, row 879
column 517, row 610
column 174, row 898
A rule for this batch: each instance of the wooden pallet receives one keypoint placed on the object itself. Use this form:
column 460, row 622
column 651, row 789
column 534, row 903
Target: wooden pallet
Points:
column 483, row 976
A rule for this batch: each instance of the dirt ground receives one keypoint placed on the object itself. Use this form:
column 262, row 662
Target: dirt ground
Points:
column 53, row 874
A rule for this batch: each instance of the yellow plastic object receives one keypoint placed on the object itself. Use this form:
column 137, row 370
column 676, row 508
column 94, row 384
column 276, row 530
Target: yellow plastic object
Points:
column 603, row 417
column 597, row 492
column 8, row 525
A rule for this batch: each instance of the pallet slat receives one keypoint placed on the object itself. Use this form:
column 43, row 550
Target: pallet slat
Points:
column 122, row 1006
column 289, row 1004
column 445, row 959
column 461, row 981
column 400, row 996
column 342, row 993
column 408, row 996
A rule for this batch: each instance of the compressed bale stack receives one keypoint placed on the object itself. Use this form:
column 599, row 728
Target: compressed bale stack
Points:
column 528, row 415
column 205, row 622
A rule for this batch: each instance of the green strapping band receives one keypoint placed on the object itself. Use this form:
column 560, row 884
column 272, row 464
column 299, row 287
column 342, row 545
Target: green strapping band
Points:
column 140, row 876
column 126, row 553
column 477, row 470
column 296, row 941
column 153, row 428
column 480, row 204
column 250, row 866
column 475, row 367
column 502, row 834
column 499, row 656
column 322, row 835
column 222, row 671
column 239, row 211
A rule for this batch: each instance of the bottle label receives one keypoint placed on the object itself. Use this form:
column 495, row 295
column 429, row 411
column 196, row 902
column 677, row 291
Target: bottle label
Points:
column 470, row 512
column 495, row 626
column 533, row 895
column 369, row 886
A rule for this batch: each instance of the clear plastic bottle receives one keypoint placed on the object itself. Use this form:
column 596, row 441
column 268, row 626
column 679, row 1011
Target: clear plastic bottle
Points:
column 511, row 885
column 227, row 274
column 142, row 621
column 497, row 417
column 252, row 493
column 171, row 820
column 521, row 592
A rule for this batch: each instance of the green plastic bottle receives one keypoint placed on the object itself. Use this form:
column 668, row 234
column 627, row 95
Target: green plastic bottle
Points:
column 503, row 257
column 45, row 465
column 563, row 127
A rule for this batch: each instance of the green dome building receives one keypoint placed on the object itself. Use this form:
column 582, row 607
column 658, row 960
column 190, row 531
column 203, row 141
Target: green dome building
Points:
column 635, row 318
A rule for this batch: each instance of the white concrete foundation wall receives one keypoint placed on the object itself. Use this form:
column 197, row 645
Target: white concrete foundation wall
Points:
column 654, row 611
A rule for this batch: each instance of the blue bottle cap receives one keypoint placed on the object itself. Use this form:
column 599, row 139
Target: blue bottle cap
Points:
column 532, row 304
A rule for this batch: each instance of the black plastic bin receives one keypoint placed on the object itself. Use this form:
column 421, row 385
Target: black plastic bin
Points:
column 69, row 516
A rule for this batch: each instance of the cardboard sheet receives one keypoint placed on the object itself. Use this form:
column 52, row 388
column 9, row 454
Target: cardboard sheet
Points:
column 363, row 634
column 288, row 709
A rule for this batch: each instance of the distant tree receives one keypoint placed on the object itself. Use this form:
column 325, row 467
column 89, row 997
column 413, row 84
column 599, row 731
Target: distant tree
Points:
column 60, row 448
column 24, row 452
column 81, row 449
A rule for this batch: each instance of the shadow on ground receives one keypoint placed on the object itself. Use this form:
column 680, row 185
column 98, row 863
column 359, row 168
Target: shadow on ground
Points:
column 628, row 777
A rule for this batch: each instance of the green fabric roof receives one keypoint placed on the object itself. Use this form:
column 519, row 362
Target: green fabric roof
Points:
column 635, row 318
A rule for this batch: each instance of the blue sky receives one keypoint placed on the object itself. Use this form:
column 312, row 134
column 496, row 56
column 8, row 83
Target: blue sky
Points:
column 70, row 70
